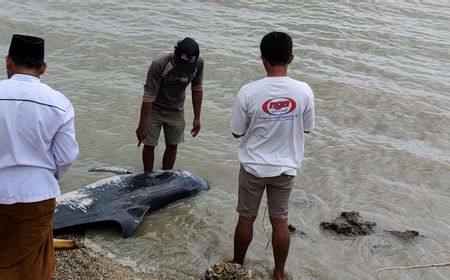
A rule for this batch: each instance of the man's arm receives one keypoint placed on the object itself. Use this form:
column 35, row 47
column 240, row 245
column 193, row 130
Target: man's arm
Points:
column 197, row 97
column 151, row 88
column 65, row 146
column 309, row 114
column 239, row 121
column 141, row 131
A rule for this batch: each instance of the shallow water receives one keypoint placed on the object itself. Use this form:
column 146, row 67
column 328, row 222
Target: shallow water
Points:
column 380, row 73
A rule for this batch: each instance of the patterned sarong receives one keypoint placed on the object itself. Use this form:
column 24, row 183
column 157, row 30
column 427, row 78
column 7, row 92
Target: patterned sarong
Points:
column 26, row 241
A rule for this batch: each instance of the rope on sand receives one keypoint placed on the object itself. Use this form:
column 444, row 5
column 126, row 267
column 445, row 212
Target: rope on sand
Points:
column 412, row 267
column 265, row 231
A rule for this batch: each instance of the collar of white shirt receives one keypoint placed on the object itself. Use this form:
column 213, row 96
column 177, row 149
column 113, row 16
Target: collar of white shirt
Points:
column 26, row 78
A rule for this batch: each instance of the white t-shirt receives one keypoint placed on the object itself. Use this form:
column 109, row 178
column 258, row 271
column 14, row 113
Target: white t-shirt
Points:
column 37, row 139
column 273, row 113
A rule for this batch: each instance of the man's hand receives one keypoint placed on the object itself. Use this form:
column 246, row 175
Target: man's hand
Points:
column 195, row 127
column 141, row 132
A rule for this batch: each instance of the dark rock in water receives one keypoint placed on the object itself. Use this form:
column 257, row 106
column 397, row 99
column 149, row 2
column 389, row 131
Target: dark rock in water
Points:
column 348, row 224
column 408, row 234
column 294, row 231
column 351, row 217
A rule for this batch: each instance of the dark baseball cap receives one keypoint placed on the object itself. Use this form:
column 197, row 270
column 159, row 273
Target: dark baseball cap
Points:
column 186, row 55
column 25, row 48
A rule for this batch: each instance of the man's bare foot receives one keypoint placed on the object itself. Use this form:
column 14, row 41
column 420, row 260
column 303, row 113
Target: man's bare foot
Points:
column 233, row 261
column 277, row 275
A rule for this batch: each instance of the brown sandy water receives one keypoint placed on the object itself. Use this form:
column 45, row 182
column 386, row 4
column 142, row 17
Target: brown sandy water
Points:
column 380, row 73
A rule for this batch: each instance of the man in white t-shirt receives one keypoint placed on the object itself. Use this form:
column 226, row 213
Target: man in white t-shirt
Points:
column 271, row 115
column 37, row 146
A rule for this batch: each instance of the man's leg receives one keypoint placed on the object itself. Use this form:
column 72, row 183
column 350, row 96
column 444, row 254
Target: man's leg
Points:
column 280, row 245
column 174, row 125
column 243, row 236
column 250, row 192
column 169, row 157
column 148, row 156
column 279, row 190
column 29, row 242
column 5, row 227
column 153, row 127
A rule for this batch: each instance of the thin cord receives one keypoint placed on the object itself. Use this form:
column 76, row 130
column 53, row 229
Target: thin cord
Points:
column 265, row 231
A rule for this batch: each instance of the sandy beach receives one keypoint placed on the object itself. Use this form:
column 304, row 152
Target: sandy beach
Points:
column 84, row 263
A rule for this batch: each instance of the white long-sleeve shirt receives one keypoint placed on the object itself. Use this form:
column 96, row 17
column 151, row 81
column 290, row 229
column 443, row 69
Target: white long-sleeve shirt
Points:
column 37, row 139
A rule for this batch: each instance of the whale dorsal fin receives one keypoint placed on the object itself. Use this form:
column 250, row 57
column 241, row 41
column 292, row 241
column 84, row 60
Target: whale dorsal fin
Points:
column 115, row 170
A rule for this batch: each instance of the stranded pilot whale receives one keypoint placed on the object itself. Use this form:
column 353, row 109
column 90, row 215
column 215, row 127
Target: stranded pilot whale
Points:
column 124, row 199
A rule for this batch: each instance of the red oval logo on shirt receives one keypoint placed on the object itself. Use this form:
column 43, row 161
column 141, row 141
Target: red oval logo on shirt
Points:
column 279, row 106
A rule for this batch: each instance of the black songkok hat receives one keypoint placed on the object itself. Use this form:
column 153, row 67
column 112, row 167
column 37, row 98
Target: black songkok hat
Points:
column 27, row 49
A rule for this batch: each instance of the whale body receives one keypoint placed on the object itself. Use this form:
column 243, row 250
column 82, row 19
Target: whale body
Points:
column 123, row 199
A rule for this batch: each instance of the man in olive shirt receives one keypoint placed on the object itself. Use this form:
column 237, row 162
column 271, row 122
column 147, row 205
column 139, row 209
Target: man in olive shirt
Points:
column 162, row 105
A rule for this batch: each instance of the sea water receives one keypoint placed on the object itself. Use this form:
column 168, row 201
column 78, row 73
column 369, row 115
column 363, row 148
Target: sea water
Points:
column 380, row 71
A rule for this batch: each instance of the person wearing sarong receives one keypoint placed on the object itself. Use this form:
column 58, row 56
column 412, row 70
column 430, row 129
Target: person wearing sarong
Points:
column 37, row 146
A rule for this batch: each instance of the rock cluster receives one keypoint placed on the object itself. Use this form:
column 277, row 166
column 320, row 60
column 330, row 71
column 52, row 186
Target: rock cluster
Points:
column 227, row 271
column 348, row 223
